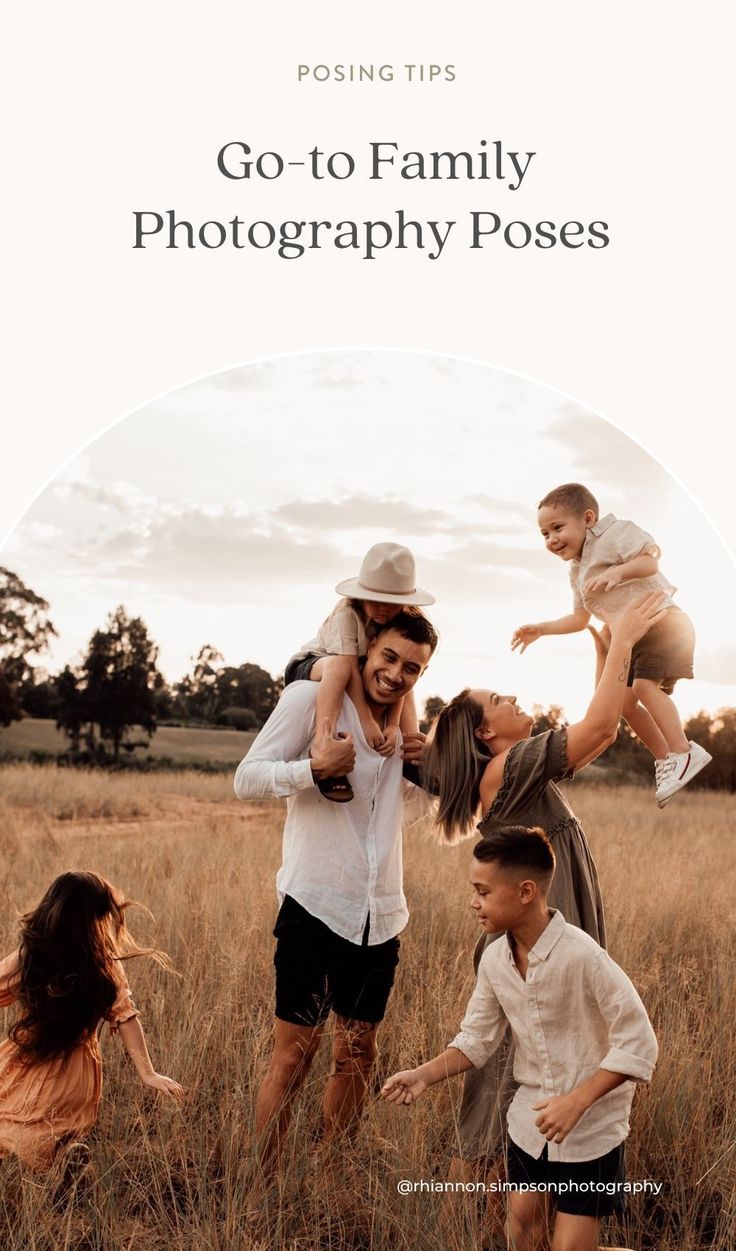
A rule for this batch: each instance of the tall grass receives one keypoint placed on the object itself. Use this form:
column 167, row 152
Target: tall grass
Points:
column 170, row 1178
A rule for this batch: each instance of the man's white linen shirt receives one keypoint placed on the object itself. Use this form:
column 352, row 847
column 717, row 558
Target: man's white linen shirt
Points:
column 575, row 1013
column 342, row 862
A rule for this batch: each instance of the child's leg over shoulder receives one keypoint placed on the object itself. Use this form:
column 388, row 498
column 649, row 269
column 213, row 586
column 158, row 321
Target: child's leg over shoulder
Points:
column 333, row 669
column 333, row 674
column 409, row 721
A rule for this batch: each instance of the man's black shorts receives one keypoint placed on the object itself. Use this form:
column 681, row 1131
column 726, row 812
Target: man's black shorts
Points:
column 666, row 651
column 583, row 1176
column 318, row 972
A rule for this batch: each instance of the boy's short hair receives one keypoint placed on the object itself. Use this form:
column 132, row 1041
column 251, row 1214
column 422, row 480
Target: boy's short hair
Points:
column 523, row 848
column 413, row 626
column 572, row 495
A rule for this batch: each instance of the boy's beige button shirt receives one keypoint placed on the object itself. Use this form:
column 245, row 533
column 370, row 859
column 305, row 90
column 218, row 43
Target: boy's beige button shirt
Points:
column 575, row 1013
column 608, row 543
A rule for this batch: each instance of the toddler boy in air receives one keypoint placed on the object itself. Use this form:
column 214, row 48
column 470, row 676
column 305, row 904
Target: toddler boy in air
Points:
column 582, row 1039
column 613, row 562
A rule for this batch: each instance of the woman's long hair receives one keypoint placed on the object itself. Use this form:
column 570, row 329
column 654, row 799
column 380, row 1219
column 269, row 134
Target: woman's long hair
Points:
column 70, row 946
column 453, row 767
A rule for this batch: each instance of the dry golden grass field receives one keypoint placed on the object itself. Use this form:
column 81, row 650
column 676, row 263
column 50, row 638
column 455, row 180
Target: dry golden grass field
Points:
column 175, row 1179
column 183, row 745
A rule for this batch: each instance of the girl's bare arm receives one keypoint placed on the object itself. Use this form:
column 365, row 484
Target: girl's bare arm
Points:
column 134, row 1041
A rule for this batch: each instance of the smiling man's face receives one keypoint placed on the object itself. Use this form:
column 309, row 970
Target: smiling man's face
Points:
column 392, row 666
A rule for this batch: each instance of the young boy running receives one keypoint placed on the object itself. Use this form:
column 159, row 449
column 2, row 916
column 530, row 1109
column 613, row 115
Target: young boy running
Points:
column 582, row 1039
column 613, row 562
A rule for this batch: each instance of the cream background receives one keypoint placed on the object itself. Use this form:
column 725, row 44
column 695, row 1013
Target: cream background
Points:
column 109, row 110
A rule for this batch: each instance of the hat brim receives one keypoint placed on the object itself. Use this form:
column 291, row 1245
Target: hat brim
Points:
column 353, row 588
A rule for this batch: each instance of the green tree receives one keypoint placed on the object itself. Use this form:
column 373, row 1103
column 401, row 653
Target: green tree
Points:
column 71, row 708
column 120, row 678
column 718, row 736
column 433, row 706
column 25, row 630
column 247, row 686
column 197, row 692
column 552, row 718
column 239, row 718
column 36, row 693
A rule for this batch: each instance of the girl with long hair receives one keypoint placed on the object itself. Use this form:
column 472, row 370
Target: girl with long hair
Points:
column 65, row 978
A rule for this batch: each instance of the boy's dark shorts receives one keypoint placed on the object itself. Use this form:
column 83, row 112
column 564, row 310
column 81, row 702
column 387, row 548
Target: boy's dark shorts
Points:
column 603, row 1171
column 666, row 651
column 299, row 668
column 317, row 971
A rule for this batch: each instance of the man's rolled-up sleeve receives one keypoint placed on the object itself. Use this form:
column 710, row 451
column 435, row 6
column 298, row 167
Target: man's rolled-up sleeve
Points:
column 277, row 765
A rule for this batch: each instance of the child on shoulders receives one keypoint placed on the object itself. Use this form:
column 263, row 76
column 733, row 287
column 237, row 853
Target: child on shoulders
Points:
column 386, row 583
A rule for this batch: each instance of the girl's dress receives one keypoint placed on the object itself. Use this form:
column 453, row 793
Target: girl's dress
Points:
column 528, row 796
column 47, row 1103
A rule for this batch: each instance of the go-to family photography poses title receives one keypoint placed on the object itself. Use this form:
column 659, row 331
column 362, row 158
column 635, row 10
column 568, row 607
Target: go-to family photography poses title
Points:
column 480, row 229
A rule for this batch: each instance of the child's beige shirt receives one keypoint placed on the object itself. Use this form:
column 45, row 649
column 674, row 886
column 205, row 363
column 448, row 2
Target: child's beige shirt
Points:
column 608, row 543
column 342, row 634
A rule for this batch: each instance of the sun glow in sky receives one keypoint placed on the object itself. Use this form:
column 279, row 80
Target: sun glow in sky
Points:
column 225, row 513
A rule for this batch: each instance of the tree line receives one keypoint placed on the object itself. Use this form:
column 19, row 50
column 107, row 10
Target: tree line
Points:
column 117, row 690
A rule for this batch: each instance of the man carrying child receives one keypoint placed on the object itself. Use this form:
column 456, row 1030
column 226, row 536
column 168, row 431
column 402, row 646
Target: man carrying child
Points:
column 340, row 883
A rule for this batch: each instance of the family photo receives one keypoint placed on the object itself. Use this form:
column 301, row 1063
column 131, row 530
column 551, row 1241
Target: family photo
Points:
column 367, row 772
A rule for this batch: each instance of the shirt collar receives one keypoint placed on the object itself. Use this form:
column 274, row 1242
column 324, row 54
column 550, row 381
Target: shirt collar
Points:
column 547, row 940
column 550, row 936
column 602, row 525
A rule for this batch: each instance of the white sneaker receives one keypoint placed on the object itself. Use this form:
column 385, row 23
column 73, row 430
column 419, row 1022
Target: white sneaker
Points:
column 676, row 770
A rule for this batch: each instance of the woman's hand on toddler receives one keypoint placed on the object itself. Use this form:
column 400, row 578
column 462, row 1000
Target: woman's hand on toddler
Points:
column 525, row 635
column 559, row 1115
column 388, row 746
column 404, row 1087
column 167, row 1085
column 374, row 735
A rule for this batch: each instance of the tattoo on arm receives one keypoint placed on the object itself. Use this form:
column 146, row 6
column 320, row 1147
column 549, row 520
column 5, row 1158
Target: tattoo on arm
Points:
column 624, row 672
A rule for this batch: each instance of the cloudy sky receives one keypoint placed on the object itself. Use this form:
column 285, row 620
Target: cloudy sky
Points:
column 225, row 513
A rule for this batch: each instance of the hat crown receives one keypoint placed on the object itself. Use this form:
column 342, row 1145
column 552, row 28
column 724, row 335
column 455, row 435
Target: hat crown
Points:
column 387, row 575
column 389, row 569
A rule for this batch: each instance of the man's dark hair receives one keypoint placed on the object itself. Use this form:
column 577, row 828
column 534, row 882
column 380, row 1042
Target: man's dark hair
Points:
column 413, row 626
column 572, row 495
column 521, row 848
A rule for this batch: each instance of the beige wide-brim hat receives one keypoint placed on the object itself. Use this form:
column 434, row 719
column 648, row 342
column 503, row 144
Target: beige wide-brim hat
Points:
column 387, row 576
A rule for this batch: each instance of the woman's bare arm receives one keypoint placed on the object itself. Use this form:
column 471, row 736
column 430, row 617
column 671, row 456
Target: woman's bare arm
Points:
column 586, row 739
